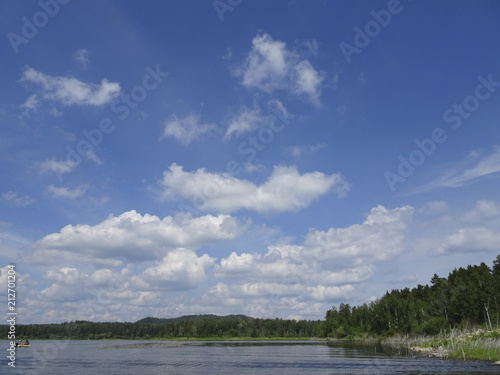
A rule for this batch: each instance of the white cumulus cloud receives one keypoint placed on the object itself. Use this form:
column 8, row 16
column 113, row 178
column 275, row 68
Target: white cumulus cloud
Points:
column 379, row 238
column 180, row 269
column 135, row 237
column 266, row 65
column 329, row 266
column 470, row 240
column 285, row 189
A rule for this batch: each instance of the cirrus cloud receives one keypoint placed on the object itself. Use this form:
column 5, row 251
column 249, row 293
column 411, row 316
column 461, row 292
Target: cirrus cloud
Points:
column 186, row 129
column 14, row 198
column 271, row 66
column 69, row 90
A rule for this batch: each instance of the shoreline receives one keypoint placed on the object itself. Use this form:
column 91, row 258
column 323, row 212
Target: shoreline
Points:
column 312, row 339
column 478, row 344
column 465, row 345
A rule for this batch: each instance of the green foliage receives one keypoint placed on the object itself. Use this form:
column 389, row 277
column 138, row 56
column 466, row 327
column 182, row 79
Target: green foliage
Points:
column 192, row 326
column 433, row 326
column 467, row 297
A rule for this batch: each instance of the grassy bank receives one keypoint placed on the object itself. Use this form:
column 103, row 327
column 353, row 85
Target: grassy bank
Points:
column 475, row 344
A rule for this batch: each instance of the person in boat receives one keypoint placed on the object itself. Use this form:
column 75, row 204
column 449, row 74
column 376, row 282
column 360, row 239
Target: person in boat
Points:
column 27, row 342
column 19, row 342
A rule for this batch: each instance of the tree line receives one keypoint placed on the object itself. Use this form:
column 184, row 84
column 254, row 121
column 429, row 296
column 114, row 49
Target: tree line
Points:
column 193, row 326
column 467, row 297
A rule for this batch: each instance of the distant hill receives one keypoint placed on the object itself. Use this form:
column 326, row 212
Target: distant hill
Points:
column 187, row 318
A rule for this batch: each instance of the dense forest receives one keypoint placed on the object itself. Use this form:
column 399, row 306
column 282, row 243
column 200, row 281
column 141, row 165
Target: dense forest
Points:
column 467, row 297
column 192, row 326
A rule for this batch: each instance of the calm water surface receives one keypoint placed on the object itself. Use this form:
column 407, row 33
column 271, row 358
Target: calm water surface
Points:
column 165, row 357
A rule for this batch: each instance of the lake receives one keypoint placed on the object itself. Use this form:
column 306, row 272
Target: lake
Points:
column 243, row 357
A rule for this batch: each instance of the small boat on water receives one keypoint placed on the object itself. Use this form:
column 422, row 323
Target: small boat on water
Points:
column 20, row 344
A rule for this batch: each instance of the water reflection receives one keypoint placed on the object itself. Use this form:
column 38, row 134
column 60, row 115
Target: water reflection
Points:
column 238, row 357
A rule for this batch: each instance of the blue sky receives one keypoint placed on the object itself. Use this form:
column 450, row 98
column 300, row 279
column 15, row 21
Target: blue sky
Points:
column 265, row 158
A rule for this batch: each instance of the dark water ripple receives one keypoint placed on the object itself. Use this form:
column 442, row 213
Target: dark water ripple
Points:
column 277, row 358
